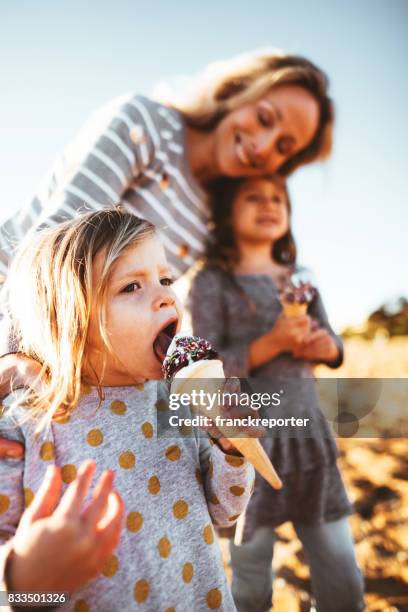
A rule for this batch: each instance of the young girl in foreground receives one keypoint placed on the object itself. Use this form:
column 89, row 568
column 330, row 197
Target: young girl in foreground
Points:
column 235, row 304
column 91, row 298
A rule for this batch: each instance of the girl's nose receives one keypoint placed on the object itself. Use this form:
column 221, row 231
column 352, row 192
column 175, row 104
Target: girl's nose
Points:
column 163, row 298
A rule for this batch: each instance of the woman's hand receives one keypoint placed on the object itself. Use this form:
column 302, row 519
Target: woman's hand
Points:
column 286, row 336
column 319, row 346
column 59, row 545
column 16, row 370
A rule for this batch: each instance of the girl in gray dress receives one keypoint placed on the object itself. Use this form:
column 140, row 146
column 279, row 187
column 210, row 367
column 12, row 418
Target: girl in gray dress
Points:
column 235, row 304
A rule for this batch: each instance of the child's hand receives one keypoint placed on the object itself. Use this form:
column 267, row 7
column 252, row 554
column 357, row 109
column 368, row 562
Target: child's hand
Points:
column 319, row 346
column 289, row 333
column 59, row 545
column 232, row 409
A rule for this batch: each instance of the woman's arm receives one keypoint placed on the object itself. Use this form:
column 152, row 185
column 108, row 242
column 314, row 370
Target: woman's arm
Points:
column 109, row 153
column 16, row 370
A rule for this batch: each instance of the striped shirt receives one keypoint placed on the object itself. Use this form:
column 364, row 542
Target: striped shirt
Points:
column 131, row 152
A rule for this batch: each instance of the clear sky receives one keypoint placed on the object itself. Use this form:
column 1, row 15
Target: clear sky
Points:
column 61, row 60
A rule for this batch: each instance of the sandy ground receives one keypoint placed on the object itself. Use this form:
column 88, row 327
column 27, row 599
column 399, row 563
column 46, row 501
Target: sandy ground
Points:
column 376, row 475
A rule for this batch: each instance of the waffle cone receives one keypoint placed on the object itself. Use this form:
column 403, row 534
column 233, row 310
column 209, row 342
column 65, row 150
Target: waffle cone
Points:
column 294, row 309
column 213, row 372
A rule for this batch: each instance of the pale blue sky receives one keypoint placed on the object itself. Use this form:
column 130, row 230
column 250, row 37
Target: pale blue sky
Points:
column 60, row 60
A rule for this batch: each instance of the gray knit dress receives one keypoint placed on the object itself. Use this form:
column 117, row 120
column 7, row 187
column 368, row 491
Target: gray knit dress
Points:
column 313, row 490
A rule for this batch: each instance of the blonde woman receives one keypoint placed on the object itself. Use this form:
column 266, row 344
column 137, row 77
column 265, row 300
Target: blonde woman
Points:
column 101, row 311
column 259, row 113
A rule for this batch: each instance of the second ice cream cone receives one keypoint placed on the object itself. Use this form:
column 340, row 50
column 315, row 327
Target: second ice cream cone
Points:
column 294, row 309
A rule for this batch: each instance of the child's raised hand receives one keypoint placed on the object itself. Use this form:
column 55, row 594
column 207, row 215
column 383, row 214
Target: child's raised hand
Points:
column 59, row 545
column 319, row 346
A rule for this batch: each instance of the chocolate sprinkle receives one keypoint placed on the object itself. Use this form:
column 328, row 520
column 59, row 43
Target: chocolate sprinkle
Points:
column 188, row 350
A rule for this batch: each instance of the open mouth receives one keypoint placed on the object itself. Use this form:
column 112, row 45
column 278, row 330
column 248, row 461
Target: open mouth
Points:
column 163, row 339
column 267, row 221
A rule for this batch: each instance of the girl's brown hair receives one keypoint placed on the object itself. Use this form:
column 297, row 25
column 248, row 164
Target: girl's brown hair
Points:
column 221, row 249
column 51, row 292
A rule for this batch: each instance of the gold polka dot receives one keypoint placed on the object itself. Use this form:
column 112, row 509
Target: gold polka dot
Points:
column 214, row 500
column 153, row 485
column 68, row 473
column 188, row 572
column 214, row 599
column 94, row 437
column 127, row 460
column 139, row 386
column 110, row 566
column 141, row 591
column 161, row 405
column 134, row 521
column 81, row 606
column 180, row 509
column 210, row 469
column 28, row 496
column 236, row 490
column 233, row 518
column 170, row 610
column 118, row 407
column 164, row 547
column 235, row 461
column 173, row 452
column 208, row 534
column 199, row 476
column 47, row 452
column 4, row 503
column 147, row 430
column 183, row 250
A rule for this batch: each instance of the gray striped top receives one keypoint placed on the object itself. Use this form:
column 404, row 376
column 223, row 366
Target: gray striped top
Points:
column 132, row 152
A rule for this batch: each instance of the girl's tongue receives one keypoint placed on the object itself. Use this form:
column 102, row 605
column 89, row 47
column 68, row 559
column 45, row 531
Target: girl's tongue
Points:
column 162, row 343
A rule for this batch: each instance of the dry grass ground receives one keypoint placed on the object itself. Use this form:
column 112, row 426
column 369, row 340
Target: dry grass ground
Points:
column 376, row 475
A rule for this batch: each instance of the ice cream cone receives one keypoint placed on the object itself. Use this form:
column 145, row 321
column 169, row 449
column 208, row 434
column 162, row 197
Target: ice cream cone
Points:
column 213, row 372
column 294, row 309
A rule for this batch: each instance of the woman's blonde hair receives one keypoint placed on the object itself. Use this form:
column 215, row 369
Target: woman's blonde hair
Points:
column 227, row 85
column 51, row 292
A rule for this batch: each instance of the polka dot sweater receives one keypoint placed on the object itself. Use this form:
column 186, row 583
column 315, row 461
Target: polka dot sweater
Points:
column 174, row 490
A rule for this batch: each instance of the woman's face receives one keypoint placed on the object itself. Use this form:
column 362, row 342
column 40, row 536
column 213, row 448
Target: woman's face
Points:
column 259, row 137
column 142, row 315
column 260, row 212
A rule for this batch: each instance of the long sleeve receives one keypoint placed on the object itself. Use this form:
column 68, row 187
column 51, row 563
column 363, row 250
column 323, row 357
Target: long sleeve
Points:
column 11, row 494
column 228, row 482
column 209, row 321
column 11, row 481
column 110, row 152
column 318, row 312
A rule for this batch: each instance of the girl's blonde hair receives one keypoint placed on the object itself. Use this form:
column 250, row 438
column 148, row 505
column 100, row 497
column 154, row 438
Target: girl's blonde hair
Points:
column 51, row 292
column 227, row 85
